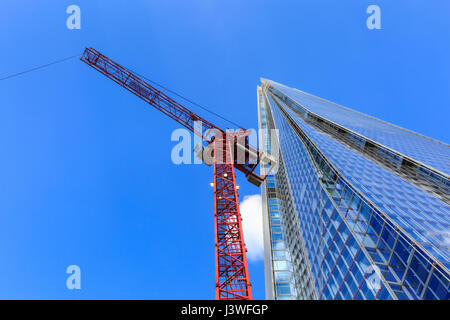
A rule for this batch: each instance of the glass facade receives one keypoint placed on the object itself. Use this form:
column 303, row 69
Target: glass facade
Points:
column 358, row 208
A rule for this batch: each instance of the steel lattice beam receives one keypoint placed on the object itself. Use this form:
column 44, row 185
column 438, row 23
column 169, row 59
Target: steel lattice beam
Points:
column 165, row 104
column 143, row 90
column 232, row 278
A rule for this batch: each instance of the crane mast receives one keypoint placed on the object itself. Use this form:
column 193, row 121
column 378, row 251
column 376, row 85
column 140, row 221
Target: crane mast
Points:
column 232, row 276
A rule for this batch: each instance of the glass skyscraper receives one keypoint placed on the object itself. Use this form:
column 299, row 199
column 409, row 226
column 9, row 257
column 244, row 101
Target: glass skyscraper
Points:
column 358, row 208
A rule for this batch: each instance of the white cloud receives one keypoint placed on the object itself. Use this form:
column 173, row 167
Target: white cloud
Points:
column 251, row 211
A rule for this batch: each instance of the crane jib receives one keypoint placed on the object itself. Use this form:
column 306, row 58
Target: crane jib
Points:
column 171, row 108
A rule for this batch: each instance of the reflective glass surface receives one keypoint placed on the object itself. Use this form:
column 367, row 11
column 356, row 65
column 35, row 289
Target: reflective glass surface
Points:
column 425, row 218
column 431, row 152
column 365, row 233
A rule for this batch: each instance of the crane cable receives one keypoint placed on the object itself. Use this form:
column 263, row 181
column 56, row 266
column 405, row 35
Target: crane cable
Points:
column 40, row 67
column 144, row 77
column 188, row 100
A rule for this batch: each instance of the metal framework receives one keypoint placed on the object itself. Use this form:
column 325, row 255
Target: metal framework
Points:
column 232, row 278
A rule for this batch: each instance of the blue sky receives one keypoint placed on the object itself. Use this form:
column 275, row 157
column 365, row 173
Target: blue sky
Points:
column 86, row 176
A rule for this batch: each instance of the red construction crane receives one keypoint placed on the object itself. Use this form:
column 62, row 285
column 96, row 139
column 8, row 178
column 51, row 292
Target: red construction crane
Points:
column 227, row 151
